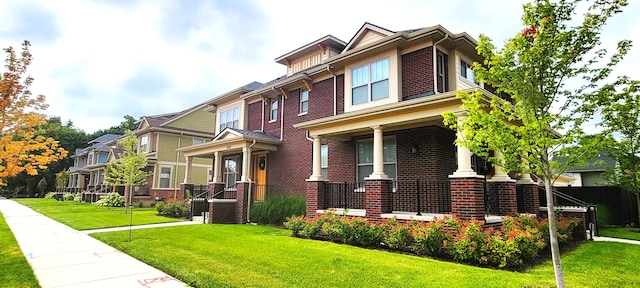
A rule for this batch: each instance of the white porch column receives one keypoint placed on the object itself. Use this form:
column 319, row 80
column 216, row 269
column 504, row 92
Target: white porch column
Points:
column 316, row 173
column 217, row 167
column 187, row 169
column 464, row 154
column 378, row 155
column 246, row 164
column 500, row 175
column 525, row 178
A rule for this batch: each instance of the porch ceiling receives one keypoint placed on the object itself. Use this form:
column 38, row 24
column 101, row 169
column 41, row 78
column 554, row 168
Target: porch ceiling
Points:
column 406, row 114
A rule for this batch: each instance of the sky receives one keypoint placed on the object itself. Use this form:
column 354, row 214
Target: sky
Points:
column 98, row 60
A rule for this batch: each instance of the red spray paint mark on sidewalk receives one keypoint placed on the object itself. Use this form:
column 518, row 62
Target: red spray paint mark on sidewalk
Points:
column 147, row 282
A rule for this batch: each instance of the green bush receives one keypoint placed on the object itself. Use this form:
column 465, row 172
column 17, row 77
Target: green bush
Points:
column 275, row 210
column 112, row 199
column 50, row 195
column 397, row 236
column 430, row 237
column 173, row 208
column 77, row 197
column 67, row 196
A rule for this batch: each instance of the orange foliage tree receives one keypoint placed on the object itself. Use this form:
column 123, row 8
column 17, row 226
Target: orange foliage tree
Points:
column 21, row 148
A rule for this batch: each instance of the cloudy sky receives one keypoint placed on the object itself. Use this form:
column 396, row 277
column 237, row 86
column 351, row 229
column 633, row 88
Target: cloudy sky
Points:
column 98, row 60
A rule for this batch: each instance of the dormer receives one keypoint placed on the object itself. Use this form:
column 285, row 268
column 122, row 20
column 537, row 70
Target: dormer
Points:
column 312, row 54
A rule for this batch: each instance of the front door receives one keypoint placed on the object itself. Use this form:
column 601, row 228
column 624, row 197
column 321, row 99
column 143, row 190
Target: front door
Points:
column 260, row 172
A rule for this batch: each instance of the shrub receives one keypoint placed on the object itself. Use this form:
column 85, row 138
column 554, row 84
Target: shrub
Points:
column 67, row 196
column 77, row 197
column 469, row 242
column 430, row 238
column 173, row 208
column 275, row 210
column 112, row 199
column 397, row 236
column 50, row 195
column 295, row 224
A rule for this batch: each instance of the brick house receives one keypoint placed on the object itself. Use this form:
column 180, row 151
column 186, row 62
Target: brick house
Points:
column 357, row 126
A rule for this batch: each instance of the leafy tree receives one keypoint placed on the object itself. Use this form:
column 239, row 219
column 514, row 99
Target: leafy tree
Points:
column 621, row 117
column 129, row 169
column 21, row 147
column 535, row 68
column 42, row 185
column 129, row 123
column 62, row 179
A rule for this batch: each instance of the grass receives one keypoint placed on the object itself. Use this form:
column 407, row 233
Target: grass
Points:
column 260, row 256
column 85, row 216
column 621, row 232
column 15, row 271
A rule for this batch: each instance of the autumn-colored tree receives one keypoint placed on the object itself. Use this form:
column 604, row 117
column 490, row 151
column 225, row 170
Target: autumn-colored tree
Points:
column 552, row 70
column 21, row 148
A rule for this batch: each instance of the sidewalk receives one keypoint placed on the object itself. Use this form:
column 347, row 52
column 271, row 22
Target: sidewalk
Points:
column 64, row 257
column 619, row 240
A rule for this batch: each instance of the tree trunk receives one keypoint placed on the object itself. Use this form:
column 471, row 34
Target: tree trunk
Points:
column 553, row 230
column 638, row 208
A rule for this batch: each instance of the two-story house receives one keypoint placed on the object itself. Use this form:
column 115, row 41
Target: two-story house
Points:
column 159, row 137
column 357, row 125
column 87, row 172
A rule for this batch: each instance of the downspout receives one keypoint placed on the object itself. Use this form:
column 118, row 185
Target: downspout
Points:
column 282, row 120
column 435, row 63
column 250, row 182
column 335, row 91
column 264, row 103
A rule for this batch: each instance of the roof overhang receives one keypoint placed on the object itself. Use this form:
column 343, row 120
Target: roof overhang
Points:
column 230, row 141
column 311, row 47
column 172, row 131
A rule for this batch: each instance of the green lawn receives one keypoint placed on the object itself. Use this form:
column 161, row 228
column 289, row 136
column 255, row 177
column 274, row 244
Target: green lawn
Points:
column 259, row 256
column 15, row 271
column 621, row 232
column 85, row 216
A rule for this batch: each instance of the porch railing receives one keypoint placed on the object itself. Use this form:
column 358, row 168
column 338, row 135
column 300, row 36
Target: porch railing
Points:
column 347, row 195
column 491, row 200
column 422, row 196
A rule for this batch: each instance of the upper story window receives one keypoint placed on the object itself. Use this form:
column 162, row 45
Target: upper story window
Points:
column 144, row 143
column 441, row 72
column 197, row 141
column 229, row 118
column 102, row 157
column 466, row 72
column 273, row 115
column 304, row 101
column 370, row 82
column 165, row 177
column 90, row 159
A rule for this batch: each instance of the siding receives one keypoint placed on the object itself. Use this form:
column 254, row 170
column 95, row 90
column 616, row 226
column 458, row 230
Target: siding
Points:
column 198, row 120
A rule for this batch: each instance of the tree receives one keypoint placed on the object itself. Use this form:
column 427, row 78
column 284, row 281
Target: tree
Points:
column 42, row 185
column 62, row 179
column 129, row 123
column 535, row 68
column 129, row 169
column 621, row 117
column 21, row 148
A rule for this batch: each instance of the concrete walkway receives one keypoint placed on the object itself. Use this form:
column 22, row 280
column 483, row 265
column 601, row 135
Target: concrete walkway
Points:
column 64, row 257
column 619, row 240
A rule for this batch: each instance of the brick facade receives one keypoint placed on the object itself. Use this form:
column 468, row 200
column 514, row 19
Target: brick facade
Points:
column 242, row 196
column 467, row 198
column 531, row 198
column 417, row 72
column 506, row 199
column 314, row 197
column 378, row 198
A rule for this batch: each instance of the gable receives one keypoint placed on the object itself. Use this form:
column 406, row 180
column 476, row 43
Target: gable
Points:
column 367, row 34
column 366, row 38
column 197, row 120
column 143, row 124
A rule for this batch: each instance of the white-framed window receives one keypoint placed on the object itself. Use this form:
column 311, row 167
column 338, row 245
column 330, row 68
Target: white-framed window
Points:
column 231, row 173
column 90, row 158
column 230, row 118
column 209, row 175
column 441, row 72
column 466, row 72
column 273, row 109
column 304, row 101
column 144, row 143
column 324, row 160
column 365, row 157
column 165, row 177
column 197, row 141
column 370, row 82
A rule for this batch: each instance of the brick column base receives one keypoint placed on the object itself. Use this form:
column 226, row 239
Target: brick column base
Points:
column 377, row 198
column 531, row 198
column 315, row 197
column 215, row 188
column 467, row 198
column 507, row 199
column 183, row 190
column 242, row 195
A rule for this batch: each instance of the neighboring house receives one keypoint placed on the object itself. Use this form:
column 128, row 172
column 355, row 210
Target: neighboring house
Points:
column 159, row 136
column 358, row 125
column 87, row 172
column 591, row 173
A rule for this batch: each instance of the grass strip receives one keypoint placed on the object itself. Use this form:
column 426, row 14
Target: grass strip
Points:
column 15, row 271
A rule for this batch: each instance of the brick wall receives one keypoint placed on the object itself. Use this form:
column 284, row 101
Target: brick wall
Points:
column 242, row 195
column 435, row 156
column 531, row 198
column 222, row 212
column 506, row 199
column 255, row 116
column 342, row 159
column 378, row 199
column 340, row 93
column 467, row 198
column 417, row 72
column 314, row 197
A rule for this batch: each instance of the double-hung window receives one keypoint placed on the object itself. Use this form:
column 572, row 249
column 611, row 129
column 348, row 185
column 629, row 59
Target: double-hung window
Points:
column 466, row 72
column 165, row 177
column 441, row 72
column 370, row 82
column 273, row 115
column 365, row 157
column 231, row 171
column 324, row 160
column 304, row 101
column 230, row 118
column 144, row 143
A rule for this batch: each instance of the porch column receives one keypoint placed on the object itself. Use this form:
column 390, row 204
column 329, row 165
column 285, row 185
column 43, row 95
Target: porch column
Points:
column 464, row 154
column 500, row 175
column 378, row 156
column 246, row 163
column 503, row 190
column 316, row 173
column 217, row 167
column 187, row 169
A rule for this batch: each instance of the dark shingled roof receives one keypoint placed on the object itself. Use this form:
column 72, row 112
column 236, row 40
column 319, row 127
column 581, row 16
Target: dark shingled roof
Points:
column 104, row 138
column 596, row 164
column 255, row 134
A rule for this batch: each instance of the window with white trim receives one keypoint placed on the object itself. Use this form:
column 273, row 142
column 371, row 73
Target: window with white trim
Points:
column 324, row 160
column 231, row 173
column 441, row 72
column 370, row 82
column 229, row 118
column 165, row 177
column 273, row 109
column 304, row 101
column 144, row 143
column 197, row 141
column 209, row 175
column 90, row 158
column 365, row 157
column 466, row 72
